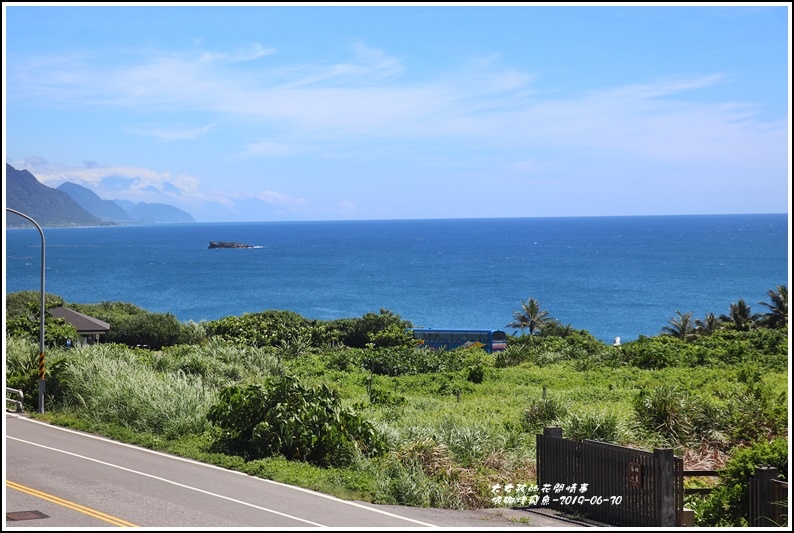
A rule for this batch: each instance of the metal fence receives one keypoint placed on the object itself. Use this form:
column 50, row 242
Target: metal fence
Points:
column 611, row 484
column 16, row 402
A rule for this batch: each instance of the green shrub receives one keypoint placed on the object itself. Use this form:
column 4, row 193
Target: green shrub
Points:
column 476, row 362
column 542, row 412
column 23, row 319
column 406, row 360
column 154, row 330
column 381, row 396
column 728, row 504
column 653, row 352
column 192, row 332
column 762, row 346
column 513, row 355
column 216, row 362
column 382, row 329
column 108, row 311
column 448, row 451
column 399, row 484
column 22, row 370
column 665, row 410
column 282, row 417
column 709, row 422
column 423, row 474
column 546, row 350
column 601, row 426
column 275, row 328
column 755, row 411
column 344, row 359
column 27, row 303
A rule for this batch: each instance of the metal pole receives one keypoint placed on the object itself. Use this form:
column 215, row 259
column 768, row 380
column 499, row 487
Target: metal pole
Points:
column 41, row 327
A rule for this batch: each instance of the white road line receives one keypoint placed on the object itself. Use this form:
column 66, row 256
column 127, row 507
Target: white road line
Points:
column 198, row 463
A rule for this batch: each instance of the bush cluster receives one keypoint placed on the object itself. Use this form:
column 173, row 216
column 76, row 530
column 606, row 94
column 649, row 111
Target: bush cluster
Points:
column 358, row 400
column 728, row 504
column 282, row 417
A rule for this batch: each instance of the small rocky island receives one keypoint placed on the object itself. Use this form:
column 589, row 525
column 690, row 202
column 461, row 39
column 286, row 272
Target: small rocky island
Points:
column 227, row 244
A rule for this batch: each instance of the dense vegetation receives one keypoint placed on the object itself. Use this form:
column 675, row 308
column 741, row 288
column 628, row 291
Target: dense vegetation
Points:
column 352, row 407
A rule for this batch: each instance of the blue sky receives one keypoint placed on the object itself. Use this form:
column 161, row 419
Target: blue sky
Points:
column 300, row 112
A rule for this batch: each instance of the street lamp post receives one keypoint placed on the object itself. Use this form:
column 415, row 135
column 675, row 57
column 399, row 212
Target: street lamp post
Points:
column 41, row 328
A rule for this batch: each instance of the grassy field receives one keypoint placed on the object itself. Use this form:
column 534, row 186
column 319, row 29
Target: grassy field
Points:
column 391, row 423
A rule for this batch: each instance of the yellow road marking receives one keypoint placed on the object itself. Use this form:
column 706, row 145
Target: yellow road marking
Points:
column 71, row 505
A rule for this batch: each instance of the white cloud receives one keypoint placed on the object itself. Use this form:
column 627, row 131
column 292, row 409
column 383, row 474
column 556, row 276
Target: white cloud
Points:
column 139, row 182
column 267, row 148
column 276, row 199
column 366, row 106
column 171, row 133
column 366, row 99
column 255, row 51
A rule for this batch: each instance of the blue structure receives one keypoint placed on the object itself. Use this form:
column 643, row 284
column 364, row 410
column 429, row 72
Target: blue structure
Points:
column 447, row 339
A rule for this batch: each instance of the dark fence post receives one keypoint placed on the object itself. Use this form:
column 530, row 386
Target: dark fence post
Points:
column 761, row 509
column 664, row 497
column 552, row 432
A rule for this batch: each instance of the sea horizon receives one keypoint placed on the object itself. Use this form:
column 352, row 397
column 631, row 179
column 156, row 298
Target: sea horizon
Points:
column 420, row 219
column 621, row 275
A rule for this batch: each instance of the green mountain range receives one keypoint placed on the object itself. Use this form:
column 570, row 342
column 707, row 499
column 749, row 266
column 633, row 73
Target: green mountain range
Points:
column 74, row 205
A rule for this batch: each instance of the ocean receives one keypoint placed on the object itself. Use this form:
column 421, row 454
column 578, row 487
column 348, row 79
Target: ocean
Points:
column 611, row 276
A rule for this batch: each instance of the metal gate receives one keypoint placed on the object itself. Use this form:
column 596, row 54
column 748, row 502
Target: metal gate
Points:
column 612, row 484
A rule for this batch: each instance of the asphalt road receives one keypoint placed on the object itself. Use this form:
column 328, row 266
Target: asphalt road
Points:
column 61, row 478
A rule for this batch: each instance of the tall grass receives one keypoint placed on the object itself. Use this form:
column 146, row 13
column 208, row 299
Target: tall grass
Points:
column 543, row 411
column 594, row 425
column 666, row 410
column 107, row 384
column 425, row 474
column 467, row 442
column 22, row 363
column 219, row 363
column 450, row 437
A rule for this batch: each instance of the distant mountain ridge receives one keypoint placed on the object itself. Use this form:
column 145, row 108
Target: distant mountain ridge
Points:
column 159, row 214
column 91, row 202
column 74, row 205
column 124, row 212
column 45, row 205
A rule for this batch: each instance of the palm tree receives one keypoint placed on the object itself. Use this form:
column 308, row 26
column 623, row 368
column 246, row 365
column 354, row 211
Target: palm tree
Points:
column 740, row 316
column 680, row 326
column 777, row 317
column 530, row 317
column 708, row 325
column 555, row 328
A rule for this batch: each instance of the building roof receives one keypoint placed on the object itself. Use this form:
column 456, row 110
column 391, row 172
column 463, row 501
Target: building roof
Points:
column 84, row 324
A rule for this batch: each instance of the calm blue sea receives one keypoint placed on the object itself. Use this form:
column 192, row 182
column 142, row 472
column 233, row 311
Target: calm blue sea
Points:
column 613, row 276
